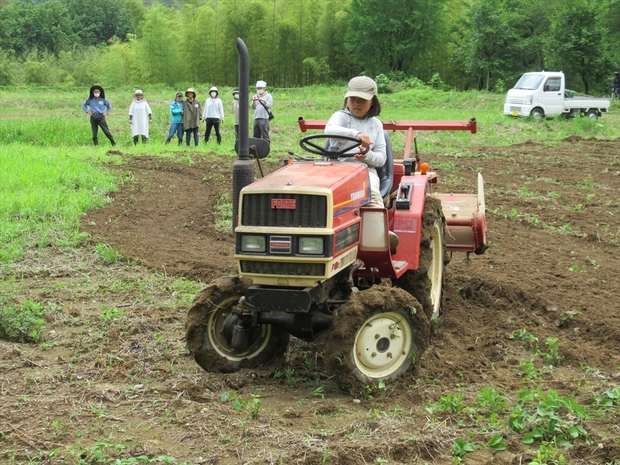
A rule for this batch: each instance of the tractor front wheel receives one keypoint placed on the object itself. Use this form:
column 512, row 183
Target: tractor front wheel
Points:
column 376, row 336
column 206, row 336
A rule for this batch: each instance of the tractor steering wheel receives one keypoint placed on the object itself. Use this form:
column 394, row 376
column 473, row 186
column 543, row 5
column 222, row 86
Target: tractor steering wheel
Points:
column 332, row 154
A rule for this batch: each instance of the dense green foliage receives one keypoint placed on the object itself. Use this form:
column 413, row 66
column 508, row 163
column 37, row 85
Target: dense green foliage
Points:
column 481, row 44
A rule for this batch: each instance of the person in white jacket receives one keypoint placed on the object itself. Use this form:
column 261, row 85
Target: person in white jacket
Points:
column 213, row 114
column 140, row 115
column 359, row 119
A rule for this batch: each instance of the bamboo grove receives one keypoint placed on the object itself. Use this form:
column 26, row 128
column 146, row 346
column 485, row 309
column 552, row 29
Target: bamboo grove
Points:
column 482, row 44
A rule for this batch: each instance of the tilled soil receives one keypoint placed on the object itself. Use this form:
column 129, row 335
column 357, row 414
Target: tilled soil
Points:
column 550, row 272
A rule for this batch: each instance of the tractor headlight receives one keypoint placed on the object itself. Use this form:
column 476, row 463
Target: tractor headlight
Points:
column 254, row 244
column 311, row 245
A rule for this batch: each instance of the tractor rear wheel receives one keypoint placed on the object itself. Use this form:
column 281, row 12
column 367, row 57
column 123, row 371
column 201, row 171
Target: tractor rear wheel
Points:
column 377, row 335
column 206, row 318
column 426, row 283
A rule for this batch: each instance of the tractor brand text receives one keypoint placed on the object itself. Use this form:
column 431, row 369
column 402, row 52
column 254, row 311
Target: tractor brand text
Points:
column 284, row 204
column 358, row 195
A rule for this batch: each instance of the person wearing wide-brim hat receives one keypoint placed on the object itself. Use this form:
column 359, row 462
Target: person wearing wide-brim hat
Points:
column 235, row 109
column 191, row 116
column 213, row 114
column 97, row 107
column 140, row 115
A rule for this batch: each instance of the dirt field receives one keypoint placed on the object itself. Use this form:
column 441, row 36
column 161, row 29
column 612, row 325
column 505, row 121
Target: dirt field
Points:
column 114, row 380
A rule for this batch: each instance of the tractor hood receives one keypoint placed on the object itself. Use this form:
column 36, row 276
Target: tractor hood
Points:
column 345, row 184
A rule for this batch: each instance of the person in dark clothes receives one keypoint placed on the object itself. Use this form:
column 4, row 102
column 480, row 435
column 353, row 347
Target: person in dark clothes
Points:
column 98, row 107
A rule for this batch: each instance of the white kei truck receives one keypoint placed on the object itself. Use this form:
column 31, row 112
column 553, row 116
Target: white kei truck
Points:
column 543, row 94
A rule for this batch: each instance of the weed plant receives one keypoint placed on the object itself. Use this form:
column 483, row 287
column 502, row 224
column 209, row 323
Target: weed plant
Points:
column 21, row 323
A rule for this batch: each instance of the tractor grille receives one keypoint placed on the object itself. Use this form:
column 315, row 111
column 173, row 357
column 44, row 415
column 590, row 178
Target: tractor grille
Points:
column 310, row 211
column 286, row 268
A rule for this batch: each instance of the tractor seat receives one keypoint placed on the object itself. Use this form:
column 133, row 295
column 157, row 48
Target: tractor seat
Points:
column 386, row 172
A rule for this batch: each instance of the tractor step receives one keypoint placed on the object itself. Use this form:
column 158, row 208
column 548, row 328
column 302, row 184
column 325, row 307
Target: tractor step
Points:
column 399, row 264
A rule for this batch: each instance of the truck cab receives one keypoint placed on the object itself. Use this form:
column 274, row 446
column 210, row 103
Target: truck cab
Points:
column 537, row 94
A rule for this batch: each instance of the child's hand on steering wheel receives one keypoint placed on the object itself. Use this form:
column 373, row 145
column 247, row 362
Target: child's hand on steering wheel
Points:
column 364, row 147
column 366, row 142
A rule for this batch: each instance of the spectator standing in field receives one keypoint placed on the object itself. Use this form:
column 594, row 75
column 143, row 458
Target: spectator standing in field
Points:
column 176, row 118
column 235, row 109
column 261, row 104
column 191, row 116
column 140, row 115
column 359, row 119
column 98, row 107
column 213, row 114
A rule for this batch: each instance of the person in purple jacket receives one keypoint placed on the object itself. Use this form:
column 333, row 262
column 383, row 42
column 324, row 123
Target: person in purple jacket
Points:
column 97, row 107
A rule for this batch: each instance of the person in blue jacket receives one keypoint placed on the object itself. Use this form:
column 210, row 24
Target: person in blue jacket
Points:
column 97, row 107
column 176, row 118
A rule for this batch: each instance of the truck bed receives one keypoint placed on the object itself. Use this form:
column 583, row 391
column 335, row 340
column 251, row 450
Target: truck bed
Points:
column 585, row 101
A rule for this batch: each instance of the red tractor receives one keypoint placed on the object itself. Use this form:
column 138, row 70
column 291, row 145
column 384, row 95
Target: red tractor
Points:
column 313, row 260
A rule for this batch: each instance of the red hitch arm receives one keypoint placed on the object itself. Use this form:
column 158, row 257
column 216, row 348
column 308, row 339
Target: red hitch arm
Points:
column 408, row 126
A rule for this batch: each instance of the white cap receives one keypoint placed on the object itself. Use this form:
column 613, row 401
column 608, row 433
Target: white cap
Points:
column 138, row 92
column 261, row 84
column 362, row 87
column 214, row 89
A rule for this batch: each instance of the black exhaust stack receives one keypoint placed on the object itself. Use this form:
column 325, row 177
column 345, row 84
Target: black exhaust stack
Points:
column 243, row 168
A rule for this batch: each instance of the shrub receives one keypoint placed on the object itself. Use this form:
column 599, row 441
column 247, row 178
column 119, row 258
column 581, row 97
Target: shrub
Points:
column 383, row 84
column 436, row 82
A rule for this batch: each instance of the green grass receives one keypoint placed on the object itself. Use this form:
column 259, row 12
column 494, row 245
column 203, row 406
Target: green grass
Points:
column 43, row 193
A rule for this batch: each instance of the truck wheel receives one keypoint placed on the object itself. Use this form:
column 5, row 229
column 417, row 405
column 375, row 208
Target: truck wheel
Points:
column 426, row 283
column 377, row 335
column 205, row 321
column 537, row 114
column 592, row 114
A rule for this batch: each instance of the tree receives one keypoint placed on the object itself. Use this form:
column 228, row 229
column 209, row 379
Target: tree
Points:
column 330, row 34
column 254, row 23
column 159, row 47
column 137, row 10
column 5, row 67
column 393, row 35
column 197, row 39
column 613, row 26
column 578, row 42
column 532, row 20
column 97, row 21
column 26, row 25
column 119, row 63
column 492, row 46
